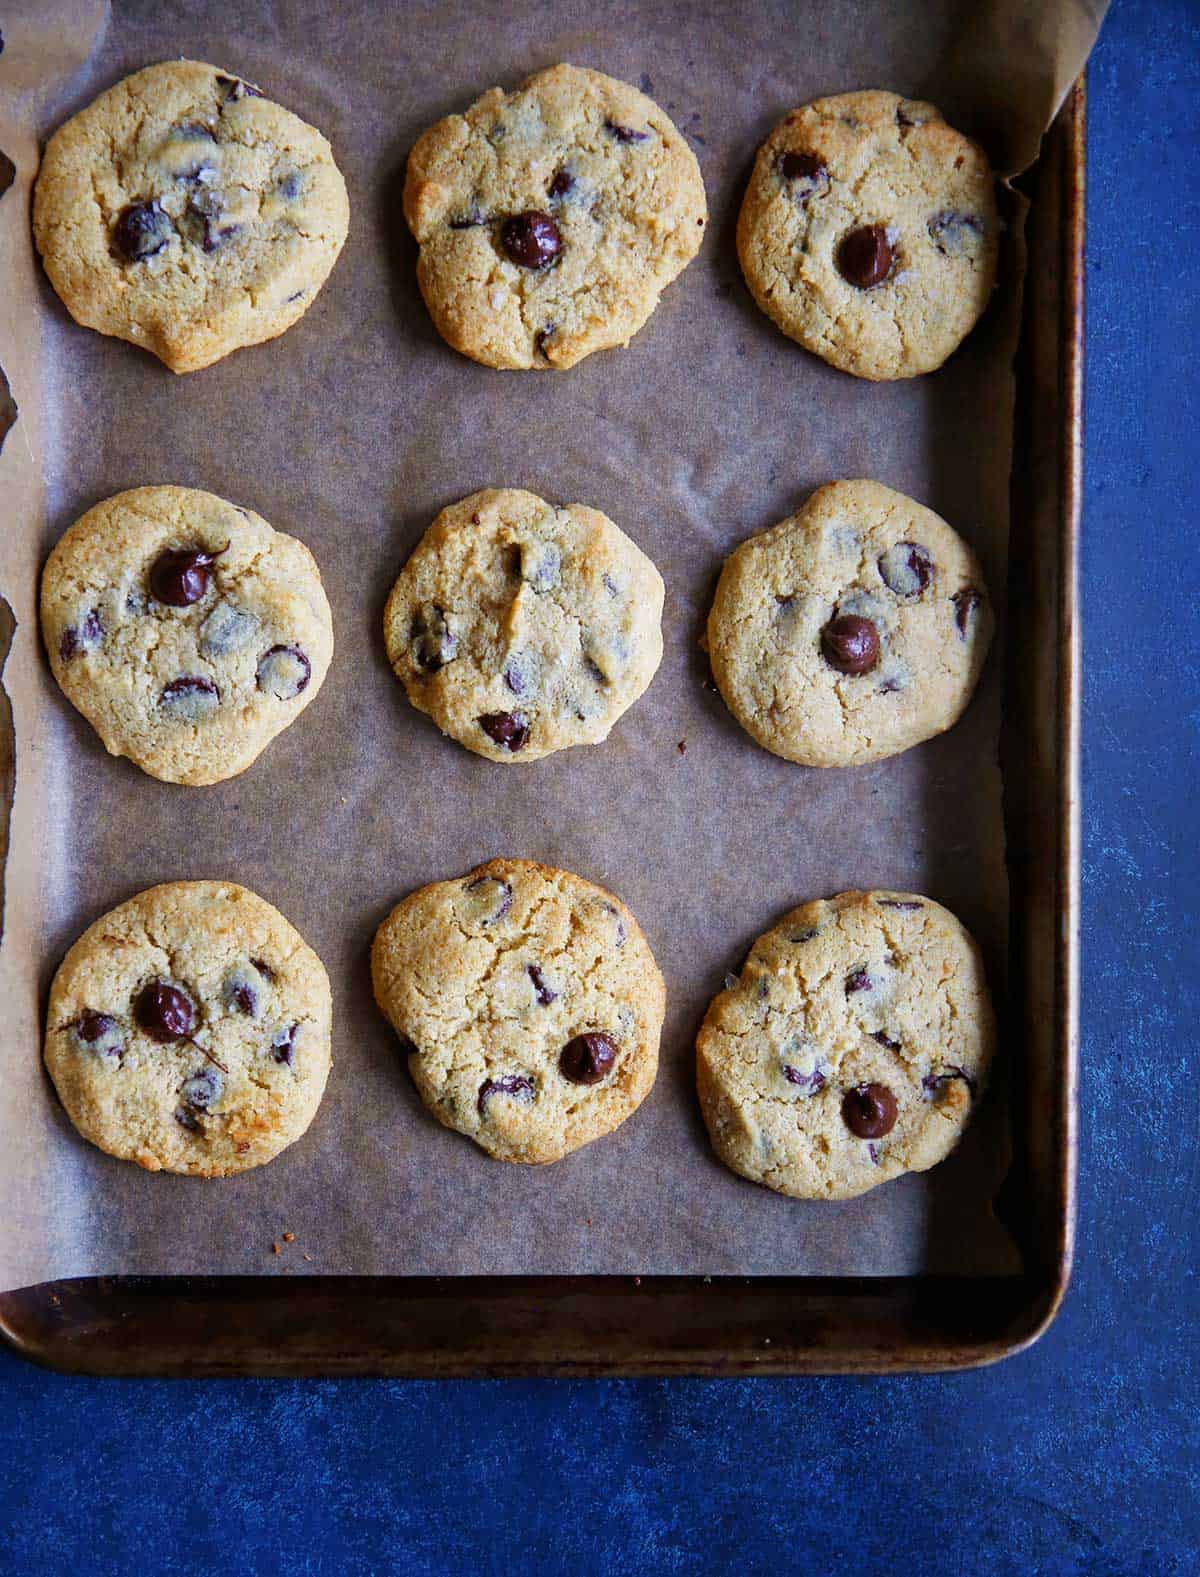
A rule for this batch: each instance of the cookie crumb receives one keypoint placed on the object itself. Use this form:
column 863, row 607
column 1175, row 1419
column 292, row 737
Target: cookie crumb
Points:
column 289, row 1237
column 274, row 1248
column 682, row 747
column 308, row 1257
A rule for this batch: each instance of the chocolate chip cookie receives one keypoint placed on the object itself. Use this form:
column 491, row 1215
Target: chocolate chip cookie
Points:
column 523, row 627
column 186, row 630
column 850, row 631
column 186, row 213
column 853, row 1046
column 869, row 233
column 550, row 220
column 189, row 1030
column 528, row 1004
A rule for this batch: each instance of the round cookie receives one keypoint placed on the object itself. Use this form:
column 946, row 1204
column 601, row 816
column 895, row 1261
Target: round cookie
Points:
column 523, row 627
column 186, row 630
column 869, row 233
column 850, row 631
column 184, row 212
column 528, row 1003
column 852, row 1048
column 188, row 1030
column 551, row 219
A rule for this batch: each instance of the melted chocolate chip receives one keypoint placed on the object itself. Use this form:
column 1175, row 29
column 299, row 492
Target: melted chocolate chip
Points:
column 141, row 231
column 934, row 1083
column 433, row 642
column 906, row 568
column 625, row 134
column 283, row 1044
column 561, row 184
column 811, row 1083
column 283, row 672
column 510, row 730
column 586, row 1059
column 515, row 1085
column 869, row 1111
column 951, row 231
column 850, row 644
column 192, row 697
column 882, row 1037
column 165, row 1012
column 531, row 239
column 81, row 637
column 101, row 1034
column 864, row 257
column 180, row 576
column 858, row 980
column 542, row 991
column 965, row 603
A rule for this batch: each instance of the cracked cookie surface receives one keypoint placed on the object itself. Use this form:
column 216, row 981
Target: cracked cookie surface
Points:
column 851, row 631
column 185, row 629
column 851, row 1049
column 528, row 1003
column 189, row 1030
column 868, row 233
column 523, row 627
column 551, row 219
column 185, row 213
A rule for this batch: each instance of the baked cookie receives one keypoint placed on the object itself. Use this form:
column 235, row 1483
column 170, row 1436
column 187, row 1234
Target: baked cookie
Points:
column 184, row 212
column 852, row 1048
column 185, row 629
column 850, row 631
column 523, row 627
column 528, row 1004
column 188, row 1030
column 869, row 233
column 550, row 220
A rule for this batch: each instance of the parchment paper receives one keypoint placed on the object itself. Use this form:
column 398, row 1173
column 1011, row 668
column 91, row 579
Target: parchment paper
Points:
column 352, row 431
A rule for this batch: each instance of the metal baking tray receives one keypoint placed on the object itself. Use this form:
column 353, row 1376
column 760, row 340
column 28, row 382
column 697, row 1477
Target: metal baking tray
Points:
column 588, row 1325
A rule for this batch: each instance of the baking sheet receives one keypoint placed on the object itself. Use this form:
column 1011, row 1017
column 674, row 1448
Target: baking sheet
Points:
column 352, row 431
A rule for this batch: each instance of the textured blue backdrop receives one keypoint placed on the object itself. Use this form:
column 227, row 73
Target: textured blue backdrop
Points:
column 1080, row 1456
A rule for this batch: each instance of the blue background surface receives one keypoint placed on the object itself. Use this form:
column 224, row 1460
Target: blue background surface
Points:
column 1082, row 1455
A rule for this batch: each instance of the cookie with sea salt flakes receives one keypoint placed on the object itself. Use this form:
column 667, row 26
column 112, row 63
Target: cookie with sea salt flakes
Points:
column 869, row 233
column 523, row 627
column 551, row 219
column 528, row 1004
column 186, row 213
column 852, row 1048
column 185, row 629
column 851, row 631
column 189, row 1030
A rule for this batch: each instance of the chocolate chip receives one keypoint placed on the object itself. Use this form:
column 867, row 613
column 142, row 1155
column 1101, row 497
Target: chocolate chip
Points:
column 142, row 230
column 180, row 576
column 586, row 1059
column 263, row 968
column 81, row 637
column 283, row 1044
column 470, row 221
column 518, row 672
column 195, row 131
column 561, row 184
column 510, row 730
column 864, row 257
column 858, row 980
column 906, row 568
column 869, row 1111
column 201, row 1089
column 906, row 904
column 239, row 991
column 625, row 133
column 609, row 585
column 541, row 565
column 810, row 1083
column 934, row 1083
column 965, row 603
column 890, row 686
column 531, row 239
column 951, row 231
column 543, row 992
column 803, row 936
column 203, row 217
column 165, row 1012
column 226, row 629
column 595, row 670
column 188, row 1120
column 491, row 899
column 873, row 1152
column 805, row 174
column 101, row 1034
column 515, row 1085
column 192, row 697
column 850, row 644
column 289, row 185
column 283, row 672
column 543, row 337
column 433, row 642
column 882, row 1037
column 233, row 89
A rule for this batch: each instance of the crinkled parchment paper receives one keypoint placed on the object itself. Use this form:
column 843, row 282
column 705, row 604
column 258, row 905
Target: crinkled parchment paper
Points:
column 352, row 431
